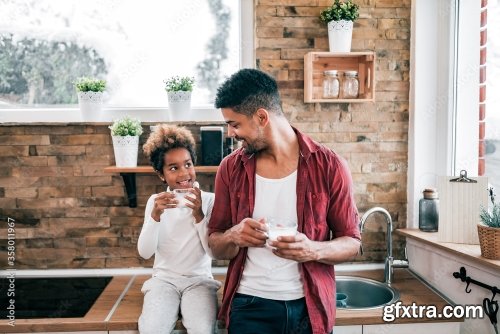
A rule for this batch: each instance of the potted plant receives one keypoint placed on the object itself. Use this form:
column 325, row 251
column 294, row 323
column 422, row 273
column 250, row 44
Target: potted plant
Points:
column 489, row 232
column 179, row 96
column 125, row 133
column 90, row 92
column 340, row 17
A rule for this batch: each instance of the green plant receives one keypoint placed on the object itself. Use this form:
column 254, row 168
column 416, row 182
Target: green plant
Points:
column 491, row 219
column 340, row 10
column 85, row 84
column 175, row 84
column 126, row 126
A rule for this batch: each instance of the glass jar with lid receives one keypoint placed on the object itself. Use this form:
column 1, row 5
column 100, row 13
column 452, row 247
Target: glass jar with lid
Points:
column 428, row 211
column 331, row 84
column 350, row 85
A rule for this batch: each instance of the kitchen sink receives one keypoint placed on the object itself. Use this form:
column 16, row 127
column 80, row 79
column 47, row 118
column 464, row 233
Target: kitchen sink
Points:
column 365, row 293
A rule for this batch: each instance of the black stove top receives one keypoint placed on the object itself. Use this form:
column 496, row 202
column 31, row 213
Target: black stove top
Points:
column 54, row 297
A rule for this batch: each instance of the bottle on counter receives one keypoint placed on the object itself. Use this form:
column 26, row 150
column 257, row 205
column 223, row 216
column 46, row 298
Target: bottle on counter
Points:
column 428, row 213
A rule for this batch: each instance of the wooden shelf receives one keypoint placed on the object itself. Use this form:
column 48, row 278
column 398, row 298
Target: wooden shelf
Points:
column 315, row 63
column 128, row 175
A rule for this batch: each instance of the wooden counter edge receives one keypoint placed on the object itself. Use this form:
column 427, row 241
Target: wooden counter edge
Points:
column 471, row 252
column 92, row 321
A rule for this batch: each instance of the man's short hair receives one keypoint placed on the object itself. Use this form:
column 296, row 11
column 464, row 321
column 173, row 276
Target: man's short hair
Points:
column 248, row 90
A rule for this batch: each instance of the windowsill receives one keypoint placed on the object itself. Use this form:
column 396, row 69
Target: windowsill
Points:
column 108, row 115
column 471, row 252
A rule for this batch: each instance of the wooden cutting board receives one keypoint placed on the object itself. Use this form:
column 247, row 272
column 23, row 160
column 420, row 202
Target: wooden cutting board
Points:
column 460, row 203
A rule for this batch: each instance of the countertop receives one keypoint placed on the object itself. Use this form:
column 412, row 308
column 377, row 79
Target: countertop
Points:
column 411, row 290
column 120, row 304
column 472, row 252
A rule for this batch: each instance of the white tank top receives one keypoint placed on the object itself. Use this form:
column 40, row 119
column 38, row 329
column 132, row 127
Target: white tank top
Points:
column 266, row 275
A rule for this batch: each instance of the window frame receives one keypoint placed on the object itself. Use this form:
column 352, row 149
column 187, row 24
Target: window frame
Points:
column 444, row 95
column 145, row 114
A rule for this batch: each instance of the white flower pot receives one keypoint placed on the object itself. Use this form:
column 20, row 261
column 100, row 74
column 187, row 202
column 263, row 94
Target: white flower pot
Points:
column 179, row 105
column 126, row 149
column 90, row 105
column 340, row 35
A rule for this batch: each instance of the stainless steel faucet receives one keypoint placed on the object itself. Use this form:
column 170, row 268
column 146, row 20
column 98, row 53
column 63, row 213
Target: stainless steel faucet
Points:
column 390, row 263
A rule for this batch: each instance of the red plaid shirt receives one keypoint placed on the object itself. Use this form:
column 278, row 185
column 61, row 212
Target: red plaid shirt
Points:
column 325, row 204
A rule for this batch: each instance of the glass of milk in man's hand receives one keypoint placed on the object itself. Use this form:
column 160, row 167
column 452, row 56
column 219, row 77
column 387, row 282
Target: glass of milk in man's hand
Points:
column 278, row 227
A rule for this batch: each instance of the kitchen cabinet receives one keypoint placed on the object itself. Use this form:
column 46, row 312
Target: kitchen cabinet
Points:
column 427, row 328
column 435, row 262
column 85, row 332
column 315, row 63
column 348, row 329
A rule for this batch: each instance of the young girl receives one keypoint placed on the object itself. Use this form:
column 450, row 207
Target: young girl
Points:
column 177, row 235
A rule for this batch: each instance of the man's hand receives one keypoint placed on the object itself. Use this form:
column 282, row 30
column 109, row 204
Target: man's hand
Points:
column 249, row 233
column 298, row 248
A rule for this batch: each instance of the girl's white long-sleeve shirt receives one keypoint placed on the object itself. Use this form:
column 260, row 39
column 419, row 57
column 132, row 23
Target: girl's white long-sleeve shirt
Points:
column 180, row 246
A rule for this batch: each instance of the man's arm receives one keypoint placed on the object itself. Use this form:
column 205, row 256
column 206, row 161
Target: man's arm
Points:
column 338, row 250
column 221, row 245
column 299, row 248
column 219, row 225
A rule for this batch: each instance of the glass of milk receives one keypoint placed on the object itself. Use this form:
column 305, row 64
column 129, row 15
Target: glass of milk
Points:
column 280, row 227
column 180, row 195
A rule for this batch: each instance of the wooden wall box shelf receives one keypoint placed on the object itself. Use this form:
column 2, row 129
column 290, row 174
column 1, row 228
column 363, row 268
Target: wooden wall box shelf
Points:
column 315, row 63
column 128, row 175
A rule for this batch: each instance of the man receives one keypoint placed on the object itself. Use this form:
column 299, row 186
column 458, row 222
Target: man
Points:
column 283, row 286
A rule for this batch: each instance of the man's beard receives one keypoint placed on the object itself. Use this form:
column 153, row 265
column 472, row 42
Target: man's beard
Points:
column 250, row 149
column 254, row 147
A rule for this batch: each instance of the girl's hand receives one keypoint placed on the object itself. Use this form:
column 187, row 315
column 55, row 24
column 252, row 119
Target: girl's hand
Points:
column 164, row 200
column 195, row 204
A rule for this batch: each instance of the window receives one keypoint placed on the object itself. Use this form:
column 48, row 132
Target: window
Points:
column 46, row 44
column 492, row 135
column 444, row 95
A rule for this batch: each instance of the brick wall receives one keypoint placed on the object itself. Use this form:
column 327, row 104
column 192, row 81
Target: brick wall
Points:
column 69, row 214
column 373, row 137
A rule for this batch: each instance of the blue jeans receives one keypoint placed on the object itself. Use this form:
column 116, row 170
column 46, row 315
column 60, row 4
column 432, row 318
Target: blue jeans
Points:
column 255, row 315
